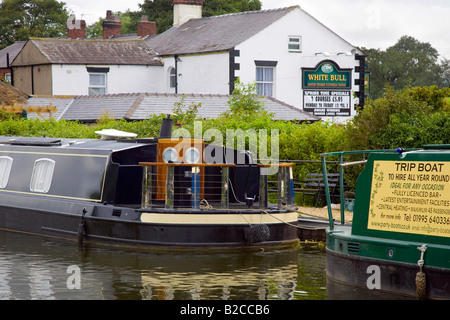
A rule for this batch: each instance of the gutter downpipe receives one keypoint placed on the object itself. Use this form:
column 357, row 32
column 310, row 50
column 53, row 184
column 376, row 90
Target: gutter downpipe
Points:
column 176, row 73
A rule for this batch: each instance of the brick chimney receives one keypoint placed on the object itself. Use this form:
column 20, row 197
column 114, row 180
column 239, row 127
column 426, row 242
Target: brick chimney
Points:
column 76, row 29
column 111, row 25
column 184, row 10
column 145, row 27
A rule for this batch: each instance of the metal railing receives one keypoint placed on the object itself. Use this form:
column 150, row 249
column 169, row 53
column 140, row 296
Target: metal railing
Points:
column 342, row 165
column 159, row 184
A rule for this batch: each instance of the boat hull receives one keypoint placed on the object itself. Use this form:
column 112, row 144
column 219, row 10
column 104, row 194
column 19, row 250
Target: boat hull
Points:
column 395, row 278
column 379, row 266
column 105, row 224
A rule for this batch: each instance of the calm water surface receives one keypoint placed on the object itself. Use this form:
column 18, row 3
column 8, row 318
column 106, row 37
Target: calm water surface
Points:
column 33, row 267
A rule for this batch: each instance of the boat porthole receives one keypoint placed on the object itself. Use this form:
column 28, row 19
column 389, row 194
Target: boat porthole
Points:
column 170, row 154
column 192, row 155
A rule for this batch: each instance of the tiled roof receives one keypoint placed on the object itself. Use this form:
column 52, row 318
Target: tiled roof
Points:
column 140, row 106
column 89, row 51
column 216, row 33
column 13, row 51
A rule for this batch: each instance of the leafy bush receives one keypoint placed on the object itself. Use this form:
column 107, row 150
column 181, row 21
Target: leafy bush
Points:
column 408, row 118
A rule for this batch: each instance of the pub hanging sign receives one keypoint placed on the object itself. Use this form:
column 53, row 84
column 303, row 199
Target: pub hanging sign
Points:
column 325, row 76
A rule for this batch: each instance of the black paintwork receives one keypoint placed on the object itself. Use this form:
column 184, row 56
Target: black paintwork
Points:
column 96, row 193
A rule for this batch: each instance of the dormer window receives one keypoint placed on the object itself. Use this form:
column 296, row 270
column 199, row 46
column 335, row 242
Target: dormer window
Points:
column 97, row 80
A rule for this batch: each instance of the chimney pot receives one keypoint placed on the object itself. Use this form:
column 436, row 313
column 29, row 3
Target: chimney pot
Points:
column 145, row 27
column 77, row 32
column 111, row 26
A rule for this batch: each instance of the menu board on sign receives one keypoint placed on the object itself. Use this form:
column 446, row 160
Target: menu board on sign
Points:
column 327, row 102
column 410, row 197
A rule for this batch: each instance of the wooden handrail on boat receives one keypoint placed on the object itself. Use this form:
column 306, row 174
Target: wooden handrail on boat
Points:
column 281, row 165
column 183, row 164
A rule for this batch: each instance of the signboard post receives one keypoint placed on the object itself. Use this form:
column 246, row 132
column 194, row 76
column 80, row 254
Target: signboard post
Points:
column 327, row 89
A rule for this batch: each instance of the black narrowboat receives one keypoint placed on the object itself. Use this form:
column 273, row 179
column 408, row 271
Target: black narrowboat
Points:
column 154, row 192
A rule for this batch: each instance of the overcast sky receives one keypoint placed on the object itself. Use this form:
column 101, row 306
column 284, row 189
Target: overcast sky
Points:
column 364, row 23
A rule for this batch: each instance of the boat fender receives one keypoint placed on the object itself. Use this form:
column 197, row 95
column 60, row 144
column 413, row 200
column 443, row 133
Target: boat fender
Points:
column 421, row 280
column 257, row 233
column 82, row 228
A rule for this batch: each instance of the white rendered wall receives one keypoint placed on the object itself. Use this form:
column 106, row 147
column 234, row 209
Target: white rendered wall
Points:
column 74, row 79
column 271, row 44
column 200, row 74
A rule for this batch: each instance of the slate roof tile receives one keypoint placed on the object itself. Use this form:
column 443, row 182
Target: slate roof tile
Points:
column 95, row 51
column 139, row 106
column 215, row 33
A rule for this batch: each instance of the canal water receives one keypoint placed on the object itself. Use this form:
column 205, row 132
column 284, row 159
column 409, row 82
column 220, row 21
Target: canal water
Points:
column 34, row 267
column 41, row 268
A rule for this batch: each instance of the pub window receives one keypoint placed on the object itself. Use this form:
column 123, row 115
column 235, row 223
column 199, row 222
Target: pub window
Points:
column 295, row 44
column 265, row 77
column 5, row 170
column 41, row 179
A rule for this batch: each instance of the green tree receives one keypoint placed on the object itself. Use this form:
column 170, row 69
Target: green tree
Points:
column 22, row 19
column 128, row 19
column 161, row 11
column 400, row 118
column 408, row 62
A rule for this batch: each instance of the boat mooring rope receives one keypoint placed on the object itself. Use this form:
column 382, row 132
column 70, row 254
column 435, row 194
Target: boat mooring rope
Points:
column 421, row 281
column 256, row 232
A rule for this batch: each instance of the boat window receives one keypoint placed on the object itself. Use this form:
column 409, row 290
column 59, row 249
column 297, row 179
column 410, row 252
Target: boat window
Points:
column 192, row 155
column 42, row 175
column 5, row 170
column 170, row 154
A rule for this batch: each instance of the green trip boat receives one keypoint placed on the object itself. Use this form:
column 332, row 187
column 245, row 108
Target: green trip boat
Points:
column 399, row 240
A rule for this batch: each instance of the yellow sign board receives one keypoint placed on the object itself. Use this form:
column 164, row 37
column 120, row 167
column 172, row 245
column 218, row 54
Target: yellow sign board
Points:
column 410, row 197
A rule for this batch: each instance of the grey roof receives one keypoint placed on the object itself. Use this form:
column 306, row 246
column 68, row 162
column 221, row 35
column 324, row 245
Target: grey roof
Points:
column 139, row 106
column 216, row 33
column 94, row 51
column 13, row 51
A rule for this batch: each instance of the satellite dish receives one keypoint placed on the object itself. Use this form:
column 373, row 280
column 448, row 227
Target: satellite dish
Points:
column 111, row 134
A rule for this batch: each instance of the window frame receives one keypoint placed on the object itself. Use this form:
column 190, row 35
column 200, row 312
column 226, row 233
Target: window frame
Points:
column 5, row 175
column 42, row 176
column 172, row 78
column 260, row 83
column 96, row 86
column 295, row 43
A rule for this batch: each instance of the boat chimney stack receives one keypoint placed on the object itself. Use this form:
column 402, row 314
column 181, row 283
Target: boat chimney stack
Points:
column 166, row 128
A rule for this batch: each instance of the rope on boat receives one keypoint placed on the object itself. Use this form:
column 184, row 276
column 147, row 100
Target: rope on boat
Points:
column 257, row 233
column 205, row 205
column 289, row 224
column 254, row 233
column 421, row 281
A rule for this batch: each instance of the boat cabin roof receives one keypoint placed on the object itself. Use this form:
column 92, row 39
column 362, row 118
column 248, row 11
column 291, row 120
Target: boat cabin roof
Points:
column 76, row 144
